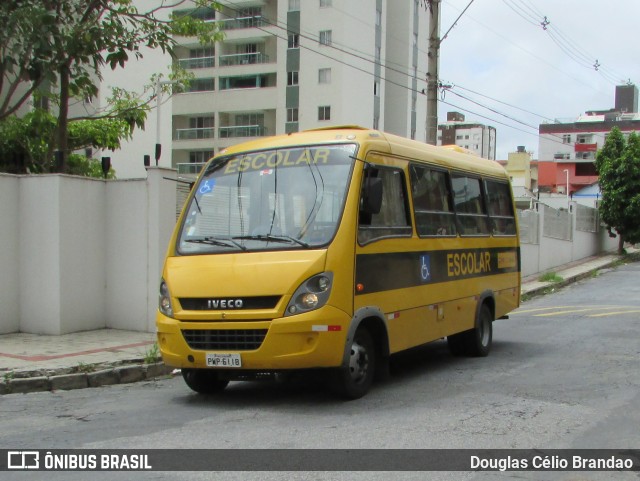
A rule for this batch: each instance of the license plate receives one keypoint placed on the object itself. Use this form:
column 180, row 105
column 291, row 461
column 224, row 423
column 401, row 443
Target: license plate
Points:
column 224, row 360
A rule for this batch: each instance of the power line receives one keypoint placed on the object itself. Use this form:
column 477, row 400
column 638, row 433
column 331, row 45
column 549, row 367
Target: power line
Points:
column 404, row 73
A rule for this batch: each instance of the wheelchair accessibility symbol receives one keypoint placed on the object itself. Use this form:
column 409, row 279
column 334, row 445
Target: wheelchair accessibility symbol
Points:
column 425, row 267
column 207, row 186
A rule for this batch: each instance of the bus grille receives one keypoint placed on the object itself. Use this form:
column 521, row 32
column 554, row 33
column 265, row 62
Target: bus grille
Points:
column 223, row 304
column 224, row 339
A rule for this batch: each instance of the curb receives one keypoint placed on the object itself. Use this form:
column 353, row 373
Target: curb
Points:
column 92, row 376
column 549, row 287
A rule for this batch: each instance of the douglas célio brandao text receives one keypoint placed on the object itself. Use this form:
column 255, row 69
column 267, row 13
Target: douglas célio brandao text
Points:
column 551, row 462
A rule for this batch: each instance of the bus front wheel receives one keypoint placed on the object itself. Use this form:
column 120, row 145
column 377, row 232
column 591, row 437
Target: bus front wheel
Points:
column 353, row 380
column 203, row 381
column 475, row 342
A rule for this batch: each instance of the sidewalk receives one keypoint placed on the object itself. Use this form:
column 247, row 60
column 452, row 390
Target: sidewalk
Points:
column 32, row 362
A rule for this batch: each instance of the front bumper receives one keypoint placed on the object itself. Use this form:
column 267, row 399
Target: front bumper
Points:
column 314, row 339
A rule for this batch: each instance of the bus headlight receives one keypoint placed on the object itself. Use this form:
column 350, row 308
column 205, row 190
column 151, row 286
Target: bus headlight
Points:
column 312, row 294
column 164, row 301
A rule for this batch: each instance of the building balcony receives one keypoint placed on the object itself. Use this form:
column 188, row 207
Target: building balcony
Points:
column 190, row 168
column 243, row 59
column 195, row 134
column 196, row 63
column 580, row 147
column 241, row 22
column 242, row 131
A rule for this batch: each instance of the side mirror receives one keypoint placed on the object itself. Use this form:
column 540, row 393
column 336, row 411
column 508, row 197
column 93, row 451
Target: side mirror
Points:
column 371, row 201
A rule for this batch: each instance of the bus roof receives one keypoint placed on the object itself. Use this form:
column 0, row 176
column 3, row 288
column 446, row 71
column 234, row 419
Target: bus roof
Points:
column 449, row 157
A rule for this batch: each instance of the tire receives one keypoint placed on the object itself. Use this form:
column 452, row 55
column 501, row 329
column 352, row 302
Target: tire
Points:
column 354, row 380
column 475, row 342
column 204, row 381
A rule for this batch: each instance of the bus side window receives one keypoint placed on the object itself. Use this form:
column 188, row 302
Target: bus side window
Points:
column 470, row 206
column 432, row 202
column 393, row 219
column 500, row 208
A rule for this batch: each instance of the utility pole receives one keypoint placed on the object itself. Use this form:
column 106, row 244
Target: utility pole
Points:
column 432, row 72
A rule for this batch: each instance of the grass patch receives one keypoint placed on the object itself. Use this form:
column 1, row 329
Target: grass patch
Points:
column 152, row 354
column 550, row 277
column 82, row 367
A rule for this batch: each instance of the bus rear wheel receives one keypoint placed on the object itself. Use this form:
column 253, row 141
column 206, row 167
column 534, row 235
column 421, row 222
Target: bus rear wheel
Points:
column 475, row 342
column 353, row 380
column 204, row 381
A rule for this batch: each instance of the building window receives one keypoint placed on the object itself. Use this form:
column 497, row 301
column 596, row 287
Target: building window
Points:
column 378, row 18
column 325, row 3
column 324, row 76
column 294, row 5
column 201, row 127
column 325, row 37
column 566, row 139
column 294, row 40
column 376, row 89
column 245, row 82
column 200, row 13
column 200, row 156
column 324, row 112
column 292, row 78
column 292, row 115
column 202, row 85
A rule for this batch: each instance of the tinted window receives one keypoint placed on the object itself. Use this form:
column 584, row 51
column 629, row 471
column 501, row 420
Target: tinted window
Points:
column 393, row 219
column 500, row 208
column 469, row 205
column 432, row 202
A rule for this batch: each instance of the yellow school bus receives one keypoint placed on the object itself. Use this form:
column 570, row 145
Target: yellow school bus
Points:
column 335, row 249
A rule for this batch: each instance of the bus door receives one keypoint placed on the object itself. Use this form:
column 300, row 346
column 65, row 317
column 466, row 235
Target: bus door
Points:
column 391, row 270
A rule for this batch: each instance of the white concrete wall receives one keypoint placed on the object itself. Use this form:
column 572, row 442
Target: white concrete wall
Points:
column 126, row 248
column 80, row 254
column 9, row 255
column 38, row 204
column 550, row 253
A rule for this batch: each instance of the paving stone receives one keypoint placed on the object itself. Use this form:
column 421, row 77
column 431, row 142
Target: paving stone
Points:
column 131, row 373
column 69, row 381
column 104, row 377
column 30, row 384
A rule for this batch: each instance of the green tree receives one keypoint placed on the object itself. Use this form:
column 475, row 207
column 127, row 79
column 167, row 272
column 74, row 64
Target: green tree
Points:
column 67, row 44
column 26, row 141
column 618, row 166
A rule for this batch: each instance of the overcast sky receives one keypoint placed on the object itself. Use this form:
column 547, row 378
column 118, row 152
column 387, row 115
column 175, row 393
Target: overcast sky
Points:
column 498, row 49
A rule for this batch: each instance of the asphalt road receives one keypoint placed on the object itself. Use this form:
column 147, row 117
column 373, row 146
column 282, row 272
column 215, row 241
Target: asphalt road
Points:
column 563, row 373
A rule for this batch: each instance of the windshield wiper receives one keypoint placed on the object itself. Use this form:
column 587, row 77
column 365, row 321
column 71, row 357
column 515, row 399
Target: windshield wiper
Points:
column 217, row 242
column 274, row 238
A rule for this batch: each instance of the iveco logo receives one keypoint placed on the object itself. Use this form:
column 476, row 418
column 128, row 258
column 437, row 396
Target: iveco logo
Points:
column 224, row 303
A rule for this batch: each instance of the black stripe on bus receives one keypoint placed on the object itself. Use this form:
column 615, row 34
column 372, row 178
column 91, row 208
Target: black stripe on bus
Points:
column 399, row 270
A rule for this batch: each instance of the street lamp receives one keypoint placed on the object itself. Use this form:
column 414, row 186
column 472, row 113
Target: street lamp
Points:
column 566, row 171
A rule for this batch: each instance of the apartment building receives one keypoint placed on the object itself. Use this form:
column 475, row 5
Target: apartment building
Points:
column 567, row 149
column 291, row 65
column 475, row 137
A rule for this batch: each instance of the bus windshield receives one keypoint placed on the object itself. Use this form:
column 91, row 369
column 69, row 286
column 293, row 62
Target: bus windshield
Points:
column 290, row 198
